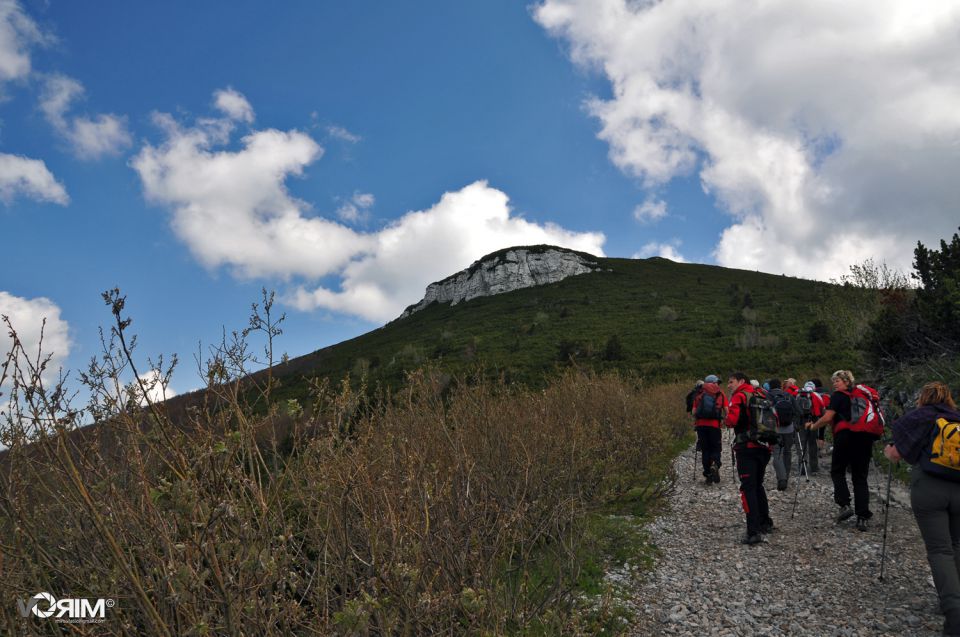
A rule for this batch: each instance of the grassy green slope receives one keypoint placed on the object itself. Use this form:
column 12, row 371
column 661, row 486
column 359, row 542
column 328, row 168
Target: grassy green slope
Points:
column 673, row 321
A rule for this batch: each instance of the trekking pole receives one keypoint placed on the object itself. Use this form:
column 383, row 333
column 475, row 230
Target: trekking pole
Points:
column 804, row 465
column 696, row 448
column 886, row 516
column 796, row 492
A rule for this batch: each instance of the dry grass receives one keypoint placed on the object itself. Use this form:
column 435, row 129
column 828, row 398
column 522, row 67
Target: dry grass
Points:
column 453, row 507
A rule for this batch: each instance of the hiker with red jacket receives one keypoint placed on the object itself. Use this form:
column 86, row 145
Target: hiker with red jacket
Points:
column 810, row 405
column 708, row 409
column 752, row 458
column 852, row 447
column 790, row 386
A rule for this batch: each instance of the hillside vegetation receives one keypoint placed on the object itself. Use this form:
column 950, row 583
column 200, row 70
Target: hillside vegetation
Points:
column 468, row 469
column 662, row 320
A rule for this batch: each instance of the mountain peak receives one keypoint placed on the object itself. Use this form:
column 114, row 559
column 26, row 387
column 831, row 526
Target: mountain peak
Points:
column 507, row 270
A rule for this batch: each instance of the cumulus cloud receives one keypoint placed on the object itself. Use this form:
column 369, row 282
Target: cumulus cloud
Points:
column 157, row 390
column 90, row 138
column 357, row 208
column 232, row 208
column 234, row 105
column 27, row 316
column 29, row 177
column 425, row 245
column 650, row 210
column 797, row 117
column 667, row 250
column 18, row 33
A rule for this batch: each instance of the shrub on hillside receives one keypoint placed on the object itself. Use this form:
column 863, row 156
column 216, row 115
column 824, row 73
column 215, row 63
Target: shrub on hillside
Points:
column 429, row 511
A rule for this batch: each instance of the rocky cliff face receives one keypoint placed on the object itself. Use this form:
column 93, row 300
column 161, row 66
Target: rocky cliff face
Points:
column 505, row 271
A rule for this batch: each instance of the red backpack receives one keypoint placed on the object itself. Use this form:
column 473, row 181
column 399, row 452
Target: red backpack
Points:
column 865, row 412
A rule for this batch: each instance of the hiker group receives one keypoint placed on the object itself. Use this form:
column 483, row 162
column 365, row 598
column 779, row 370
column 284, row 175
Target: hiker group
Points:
column 768, row 420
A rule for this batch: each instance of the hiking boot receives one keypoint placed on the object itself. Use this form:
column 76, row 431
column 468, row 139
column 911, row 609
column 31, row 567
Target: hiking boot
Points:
column 715, row 473
column 781, row 485
column 845, row 513
column 751, row 538
column 767, row 528
column 861, row 524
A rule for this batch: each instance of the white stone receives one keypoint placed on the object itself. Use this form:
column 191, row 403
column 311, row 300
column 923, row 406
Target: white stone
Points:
column 515, row 269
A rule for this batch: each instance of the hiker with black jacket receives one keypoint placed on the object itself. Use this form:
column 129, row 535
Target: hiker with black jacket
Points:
column 927, row 438
column 853, row 449
column 786, row 434
column 752, row 458
column 692, row 395
column 708, row 409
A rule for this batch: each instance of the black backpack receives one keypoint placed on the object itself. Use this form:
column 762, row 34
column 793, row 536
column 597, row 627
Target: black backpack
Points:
column 762, row 417
column 805, row 403
column 709, row 407
column 785, row 406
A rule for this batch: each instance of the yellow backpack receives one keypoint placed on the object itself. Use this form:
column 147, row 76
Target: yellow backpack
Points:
column 943, row 454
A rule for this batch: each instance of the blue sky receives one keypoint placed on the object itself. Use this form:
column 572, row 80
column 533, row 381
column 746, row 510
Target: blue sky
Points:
column 347, row 154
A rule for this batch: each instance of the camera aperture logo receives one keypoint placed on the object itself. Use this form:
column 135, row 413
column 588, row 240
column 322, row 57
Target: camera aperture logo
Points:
column 67, row 610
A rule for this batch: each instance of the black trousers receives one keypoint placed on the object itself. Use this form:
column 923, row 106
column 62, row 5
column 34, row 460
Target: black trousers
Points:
column 711, row 446
column 751, row 465
column 852, row 449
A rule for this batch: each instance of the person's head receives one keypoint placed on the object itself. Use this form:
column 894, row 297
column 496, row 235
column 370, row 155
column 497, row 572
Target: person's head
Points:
column 790, row 381
column 773, row 383
column 842, row 379
column 735, row 380
column 816, row 382
column 936, row 393
column 809, row 386
column 712, row 378
column 755, row 382
column 699, row 383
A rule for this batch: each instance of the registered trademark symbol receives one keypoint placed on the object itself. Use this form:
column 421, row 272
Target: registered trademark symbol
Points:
column 111, row 603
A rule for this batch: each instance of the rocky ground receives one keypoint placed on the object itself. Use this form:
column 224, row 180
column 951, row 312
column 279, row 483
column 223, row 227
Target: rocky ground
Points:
column 809, row 577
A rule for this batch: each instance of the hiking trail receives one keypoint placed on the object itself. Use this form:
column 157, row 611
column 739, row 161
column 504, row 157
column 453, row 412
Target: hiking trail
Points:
column 809, row 577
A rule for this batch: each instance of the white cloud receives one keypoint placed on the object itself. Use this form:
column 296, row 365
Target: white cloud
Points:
column 357, row 209
column 234, row 105
column 18, row 32
column 232, row 209
column 423, row 246
column 29, row 177
column 157, row 389
column 799, row 118
column 666, row 250
column 26, row 316
column 341, row 133
column 650, row 210
column 105, row 134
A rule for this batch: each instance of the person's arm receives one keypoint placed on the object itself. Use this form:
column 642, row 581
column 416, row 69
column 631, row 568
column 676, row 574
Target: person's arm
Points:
column 823, row 421
column 733, row 413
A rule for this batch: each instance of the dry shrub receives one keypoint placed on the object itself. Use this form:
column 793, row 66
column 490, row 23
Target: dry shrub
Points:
column 436, row 510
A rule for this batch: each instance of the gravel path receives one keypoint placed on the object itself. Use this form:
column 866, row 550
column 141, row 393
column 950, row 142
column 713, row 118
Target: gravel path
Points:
column 810, row 576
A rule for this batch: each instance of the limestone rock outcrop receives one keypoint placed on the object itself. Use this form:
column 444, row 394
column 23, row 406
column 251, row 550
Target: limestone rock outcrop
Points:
column 505, row 271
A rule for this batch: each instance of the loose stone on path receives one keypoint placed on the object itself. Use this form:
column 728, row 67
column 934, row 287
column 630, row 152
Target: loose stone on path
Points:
column 809, row 577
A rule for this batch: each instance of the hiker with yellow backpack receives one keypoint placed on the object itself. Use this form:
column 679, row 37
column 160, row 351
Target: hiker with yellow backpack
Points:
column 929, row 439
